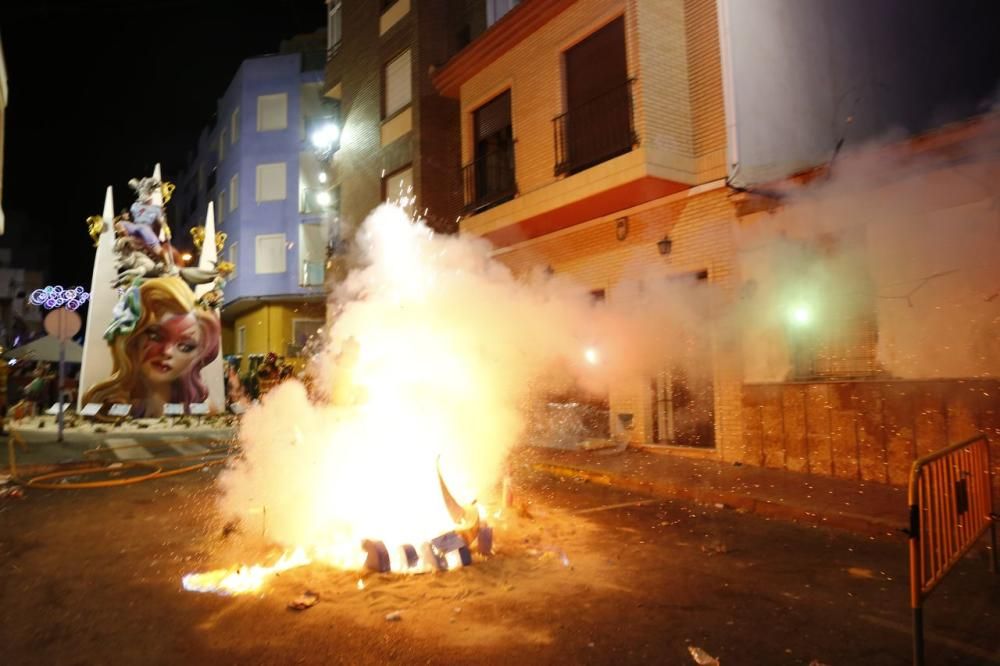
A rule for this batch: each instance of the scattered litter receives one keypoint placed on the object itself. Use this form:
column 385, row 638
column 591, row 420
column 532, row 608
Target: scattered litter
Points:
column 361, row 584
column 456, row 609
column 701, row 657
column 859, row 572
column 304, row 601
column 717, row 548
column 394, row 616
column 816, row 662
column 4, row 479
column 13, row 492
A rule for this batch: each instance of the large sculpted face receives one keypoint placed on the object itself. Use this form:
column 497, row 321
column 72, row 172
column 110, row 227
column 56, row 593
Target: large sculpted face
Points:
column 170, row 348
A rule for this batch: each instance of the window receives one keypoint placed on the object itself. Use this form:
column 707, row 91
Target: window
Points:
column 682, row 392
column 489, row 180
column 234, row 125
column 396, row 84
column 312, row 255
column 234, row 258
column 835, row 337
column 495, row 9
column 598, row 96
column 333, row 27
column 241, row 340
column 270, row 253
column 271, row 182
column 397, row 185
column 220, row 207
column 234, row 191
column 222, row 144
column 272, row 112
column 303, row 331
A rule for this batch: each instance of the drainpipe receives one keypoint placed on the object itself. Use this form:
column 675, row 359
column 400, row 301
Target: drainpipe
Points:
column 728, row 87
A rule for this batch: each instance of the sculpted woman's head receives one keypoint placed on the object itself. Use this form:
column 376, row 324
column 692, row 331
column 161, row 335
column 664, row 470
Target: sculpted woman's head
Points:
column 159, row 343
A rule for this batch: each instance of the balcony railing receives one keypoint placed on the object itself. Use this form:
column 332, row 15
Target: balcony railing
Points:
column 489, row 179
column 596, row 130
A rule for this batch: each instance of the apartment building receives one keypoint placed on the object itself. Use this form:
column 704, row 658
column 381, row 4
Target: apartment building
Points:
column 260, row 166
column 398, row 135
column 604, row 139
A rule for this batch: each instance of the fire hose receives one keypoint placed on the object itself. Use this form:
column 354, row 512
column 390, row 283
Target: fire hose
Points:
column 154, row 465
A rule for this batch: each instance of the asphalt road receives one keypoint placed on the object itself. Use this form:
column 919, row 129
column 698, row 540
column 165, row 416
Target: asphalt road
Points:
column 583, row 575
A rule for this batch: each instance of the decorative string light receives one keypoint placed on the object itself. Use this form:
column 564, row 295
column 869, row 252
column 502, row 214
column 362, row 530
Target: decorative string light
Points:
column 56, row 296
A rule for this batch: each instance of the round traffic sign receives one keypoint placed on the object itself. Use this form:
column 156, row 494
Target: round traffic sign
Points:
column 62, row 323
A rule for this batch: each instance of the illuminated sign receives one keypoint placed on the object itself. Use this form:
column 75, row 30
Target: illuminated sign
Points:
column 55, row 296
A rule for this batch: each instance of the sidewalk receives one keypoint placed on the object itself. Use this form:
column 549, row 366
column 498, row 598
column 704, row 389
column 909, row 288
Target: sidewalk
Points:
column 868, row 508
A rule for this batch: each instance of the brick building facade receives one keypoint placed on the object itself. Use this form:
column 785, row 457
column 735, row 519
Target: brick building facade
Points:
column 417, row 144
column 651, row 194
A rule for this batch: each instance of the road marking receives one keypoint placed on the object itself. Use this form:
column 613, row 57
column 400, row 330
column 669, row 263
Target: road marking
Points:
column 931, row 637
column 622, row 505
column 184, row 445
column 127, row 448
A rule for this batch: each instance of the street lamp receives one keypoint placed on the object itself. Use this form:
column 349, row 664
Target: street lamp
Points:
column 324, row 199
column 324, row 136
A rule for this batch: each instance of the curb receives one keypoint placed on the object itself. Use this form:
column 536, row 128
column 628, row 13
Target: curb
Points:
column 852, row 522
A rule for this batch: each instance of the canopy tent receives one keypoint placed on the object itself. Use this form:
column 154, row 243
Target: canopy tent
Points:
column 46, row 349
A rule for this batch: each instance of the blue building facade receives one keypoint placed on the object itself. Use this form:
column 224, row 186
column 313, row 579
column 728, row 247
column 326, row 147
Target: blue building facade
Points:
column 257, row 164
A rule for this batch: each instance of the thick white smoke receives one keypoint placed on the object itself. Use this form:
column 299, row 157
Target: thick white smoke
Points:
column 432, row 354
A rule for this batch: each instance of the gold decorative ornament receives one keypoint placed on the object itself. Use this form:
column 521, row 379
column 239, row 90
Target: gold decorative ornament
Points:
column 167, row 190
column 95, row 227
column 224, row 268
column 220, row 241
column 198, row 236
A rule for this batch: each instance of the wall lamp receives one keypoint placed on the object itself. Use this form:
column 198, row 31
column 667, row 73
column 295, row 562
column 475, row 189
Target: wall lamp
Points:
column 665, row 245
column 621, row 228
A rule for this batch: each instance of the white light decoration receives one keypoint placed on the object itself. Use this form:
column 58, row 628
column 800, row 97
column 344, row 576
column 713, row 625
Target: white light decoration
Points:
column 800, row 315
column 57, row 296
column 322, row 176
column 324, row 136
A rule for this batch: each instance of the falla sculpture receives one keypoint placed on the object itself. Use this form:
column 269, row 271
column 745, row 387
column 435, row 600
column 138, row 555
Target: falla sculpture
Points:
column 165, row 327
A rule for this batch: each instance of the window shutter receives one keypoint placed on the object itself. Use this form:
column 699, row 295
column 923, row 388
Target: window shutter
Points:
column 397, row 83
column 493, row 116
column 272, row 112
column 271, row 182
column 270, row 253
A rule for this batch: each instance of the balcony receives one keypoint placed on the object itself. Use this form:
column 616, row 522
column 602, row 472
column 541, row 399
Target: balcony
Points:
column 489, row 179
column 595, row 131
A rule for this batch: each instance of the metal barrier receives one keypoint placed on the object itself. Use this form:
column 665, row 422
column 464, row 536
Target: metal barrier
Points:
column 951, row 506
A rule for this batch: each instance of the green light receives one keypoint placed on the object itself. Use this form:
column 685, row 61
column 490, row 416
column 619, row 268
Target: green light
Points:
column 801, row 315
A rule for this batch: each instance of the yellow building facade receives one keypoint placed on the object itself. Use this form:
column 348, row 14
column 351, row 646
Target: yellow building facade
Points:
column 611, row 221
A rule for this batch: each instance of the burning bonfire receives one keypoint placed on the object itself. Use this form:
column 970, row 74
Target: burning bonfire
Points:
column 411, row 408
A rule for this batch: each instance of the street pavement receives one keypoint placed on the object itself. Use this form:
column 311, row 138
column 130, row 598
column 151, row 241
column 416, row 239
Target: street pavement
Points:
column 868, row 508
column 37, row 452
column 583, row 574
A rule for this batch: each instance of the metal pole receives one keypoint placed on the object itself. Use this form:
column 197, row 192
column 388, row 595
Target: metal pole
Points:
column 918, row 637
column 993, row 546
column 59, row 386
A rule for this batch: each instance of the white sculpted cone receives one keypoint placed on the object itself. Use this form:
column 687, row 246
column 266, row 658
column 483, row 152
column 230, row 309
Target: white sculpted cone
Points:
column 212, row 373
column 96, row 365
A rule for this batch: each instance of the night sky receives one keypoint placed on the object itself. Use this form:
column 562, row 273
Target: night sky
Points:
column 100, row 90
